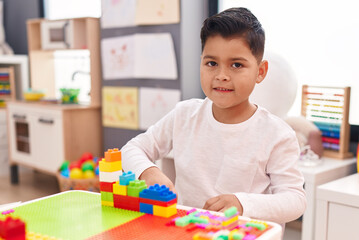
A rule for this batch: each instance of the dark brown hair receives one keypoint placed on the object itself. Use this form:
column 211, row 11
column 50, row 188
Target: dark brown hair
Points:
column 236, row 21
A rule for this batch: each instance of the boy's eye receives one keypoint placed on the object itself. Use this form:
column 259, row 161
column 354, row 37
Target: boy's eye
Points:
column 236, row 65
column 211, row 64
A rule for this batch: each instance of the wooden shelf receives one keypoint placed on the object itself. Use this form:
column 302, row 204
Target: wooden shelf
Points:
column 86, row 36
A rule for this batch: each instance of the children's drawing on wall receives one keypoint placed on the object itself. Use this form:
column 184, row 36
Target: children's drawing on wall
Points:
column 157, row 12
column 155, row 103
column 120, row 107
column 118, row 57
column 155, row 56
column 139, row 56
column 118, row 13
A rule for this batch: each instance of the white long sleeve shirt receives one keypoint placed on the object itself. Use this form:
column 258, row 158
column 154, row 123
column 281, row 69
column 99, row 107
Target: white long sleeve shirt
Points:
column 256, row 160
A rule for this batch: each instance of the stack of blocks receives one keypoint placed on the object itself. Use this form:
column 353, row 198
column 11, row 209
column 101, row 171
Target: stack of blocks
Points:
column 122, row 190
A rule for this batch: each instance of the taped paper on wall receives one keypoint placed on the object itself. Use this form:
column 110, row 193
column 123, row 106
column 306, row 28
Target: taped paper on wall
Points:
column 120, row 107
column 155, row 103
column 139, row 56
column 118, row 13
column 154, row 12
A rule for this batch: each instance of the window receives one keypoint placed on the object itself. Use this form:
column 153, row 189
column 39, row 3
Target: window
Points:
column 63, row 9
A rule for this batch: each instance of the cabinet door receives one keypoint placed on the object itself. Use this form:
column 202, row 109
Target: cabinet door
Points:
column 48, row 141
column 20, row 135
column 342, row 222
column 4, row 155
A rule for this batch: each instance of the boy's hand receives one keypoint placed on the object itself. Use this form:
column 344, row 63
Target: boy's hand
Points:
column 223, row 202
column 154, row 175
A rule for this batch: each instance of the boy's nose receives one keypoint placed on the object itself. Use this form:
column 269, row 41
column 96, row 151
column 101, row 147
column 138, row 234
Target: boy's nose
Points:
column 222, row 75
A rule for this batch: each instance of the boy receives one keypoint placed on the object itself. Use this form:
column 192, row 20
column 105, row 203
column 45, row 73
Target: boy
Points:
column 227, row 151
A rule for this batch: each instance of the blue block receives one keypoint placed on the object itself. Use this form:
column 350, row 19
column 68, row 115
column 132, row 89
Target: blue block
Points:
column 158, row 193
column 125, row 178
column 146, row 208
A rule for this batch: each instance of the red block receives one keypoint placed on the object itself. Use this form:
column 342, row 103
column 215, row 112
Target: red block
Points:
column 12, row 229
column 106, row 186
column 158, row 203
column 126, row 202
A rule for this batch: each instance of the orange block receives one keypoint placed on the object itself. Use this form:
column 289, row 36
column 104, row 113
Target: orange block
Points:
column 113, row 155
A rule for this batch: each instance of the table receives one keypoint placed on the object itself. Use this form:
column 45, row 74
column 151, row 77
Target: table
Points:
column 329, row 170
column 79, row 215
column 338, row 209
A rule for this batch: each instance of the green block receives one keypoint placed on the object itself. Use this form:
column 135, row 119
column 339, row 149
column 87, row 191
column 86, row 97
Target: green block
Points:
column 237, row 236
column 259, row 226
column 183, row 221
column 107, row 196
column 198, row 220
column 230, row 212
column 221, row 237
column 135, row 187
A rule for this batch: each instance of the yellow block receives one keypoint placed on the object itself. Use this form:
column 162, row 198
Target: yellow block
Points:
column 110, row 166
column 107, row 203
column 119, row 189
column 230, row 221
column 202, row 236
column 165, row 211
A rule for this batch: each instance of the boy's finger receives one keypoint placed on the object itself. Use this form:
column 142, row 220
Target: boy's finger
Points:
column 210, row 202
column 217, row 206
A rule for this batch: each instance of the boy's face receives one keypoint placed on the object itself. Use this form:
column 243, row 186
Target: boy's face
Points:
column 229, row 72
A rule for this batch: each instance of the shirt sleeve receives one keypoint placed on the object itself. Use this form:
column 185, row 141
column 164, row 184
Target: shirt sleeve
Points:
column 142, row 151
column 286, row 201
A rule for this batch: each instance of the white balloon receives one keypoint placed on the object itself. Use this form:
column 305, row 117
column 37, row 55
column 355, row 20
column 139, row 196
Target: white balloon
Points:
column 277, row 91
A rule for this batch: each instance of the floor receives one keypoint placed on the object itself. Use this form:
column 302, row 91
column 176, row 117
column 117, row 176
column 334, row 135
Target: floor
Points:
column 31, row 185
column 34, row 185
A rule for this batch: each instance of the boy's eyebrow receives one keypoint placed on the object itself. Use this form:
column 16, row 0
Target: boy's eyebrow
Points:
column 208, row 56
column 232, row 59
column 239, row 59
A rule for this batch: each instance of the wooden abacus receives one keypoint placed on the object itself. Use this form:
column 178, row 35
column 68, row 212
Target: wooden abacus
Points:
column 328, row 109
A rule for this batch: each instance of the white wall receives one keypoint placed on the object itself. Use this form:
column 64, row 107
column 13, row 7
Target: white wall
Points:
column 318, row 38
column 193, row 13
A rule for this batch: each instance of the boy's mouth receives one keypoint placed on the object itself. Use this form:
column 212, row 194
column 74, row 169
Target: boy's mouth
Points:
column 222, row 89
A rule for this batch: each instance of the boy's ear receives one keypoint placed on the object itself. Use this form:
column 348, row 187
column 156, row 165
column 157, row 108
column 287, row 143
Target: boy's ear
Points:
column 262, row 71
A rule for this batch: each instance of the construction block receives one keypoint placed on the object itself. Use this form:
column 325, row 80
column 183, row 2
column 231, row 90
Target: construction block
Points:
column 203, row 236
column 230, row 212
column 165, row 211
column 135, row 187
column 183, row 221
column 12, row 229
column 236, row 235
column 107, row 196
column 229, row 221
column 146, row 208
column 158, row 203
column 109, row 176
column 109, row 166
column 106, row 187
column 126, row 202
column 119, row 189
column 113, row 155
column 159, row 193
column 259, row 225
column 125, row 178
column 107, row 203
